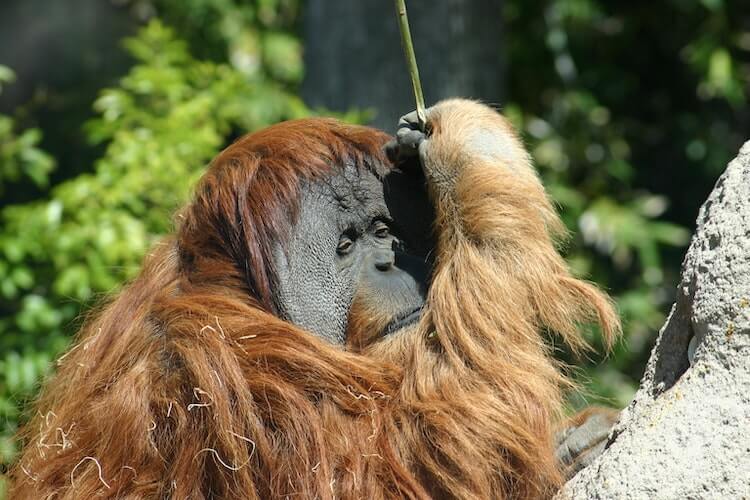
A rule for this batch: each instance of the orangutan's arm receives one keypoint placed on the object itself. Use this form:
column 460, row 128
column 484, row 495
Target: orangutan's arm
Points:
column 499, row 280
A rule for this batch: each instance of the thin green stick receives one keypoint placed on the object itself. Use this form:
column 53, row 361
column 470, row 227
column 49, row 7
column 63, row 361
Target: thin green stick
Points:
column 411, row 62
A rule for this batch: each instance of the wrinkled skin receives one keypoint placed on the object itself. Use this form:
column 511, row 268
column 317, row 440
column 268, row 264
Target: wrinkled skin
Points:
column 343, row 246
column 366, row 238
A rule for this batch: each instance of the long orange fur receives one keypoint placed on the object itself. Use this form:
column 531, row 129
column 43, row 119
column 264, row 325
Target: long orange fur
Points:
column 187, row 385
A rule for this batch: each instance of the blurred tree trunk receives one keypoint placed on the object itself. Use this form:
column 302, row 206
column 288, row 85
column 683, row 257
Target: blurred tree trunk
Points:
column 353, row 55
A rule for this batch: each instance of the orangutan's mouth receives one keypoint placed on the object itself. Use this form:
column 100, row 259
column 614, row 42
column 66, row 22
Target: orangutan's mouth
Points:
column 403, row 320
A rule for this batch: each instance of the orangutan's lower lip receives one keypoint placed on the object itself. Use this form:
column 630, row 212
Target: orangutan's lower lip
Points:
column 403, row 320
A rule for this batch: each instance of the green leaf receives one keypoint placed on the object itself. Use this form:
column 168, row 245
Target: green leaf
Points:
column 6, row 76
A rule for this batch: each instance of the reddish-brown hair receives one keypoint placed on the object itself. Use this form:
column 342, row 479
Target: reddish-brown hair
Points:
column 249, row 197
column 188, row 385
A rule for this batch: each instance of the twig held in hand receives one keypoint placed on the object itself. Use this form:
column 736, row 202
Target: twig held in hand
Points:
column 411, row 61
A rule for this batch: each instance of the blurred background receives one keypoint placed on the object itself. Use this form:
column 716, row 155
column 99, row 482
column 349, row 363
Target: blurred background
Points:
column 110, row 110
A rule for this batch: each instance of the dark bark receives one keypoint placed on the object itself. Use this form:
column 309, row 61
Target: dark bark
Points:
column 353, row 55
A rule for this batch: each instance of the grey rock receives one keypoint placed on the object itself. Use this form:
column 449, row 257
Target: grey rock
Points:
column 686, row 434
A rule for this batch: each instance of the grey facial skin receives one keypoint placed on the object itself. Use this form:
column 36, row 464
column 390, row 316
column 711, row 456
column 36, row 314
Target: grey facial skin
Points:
column 341, row 247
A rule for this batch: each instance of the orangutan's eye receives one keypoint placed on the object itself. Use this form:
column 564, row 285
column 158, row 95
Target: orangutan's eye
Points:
column 382, row 230
column 345, row 245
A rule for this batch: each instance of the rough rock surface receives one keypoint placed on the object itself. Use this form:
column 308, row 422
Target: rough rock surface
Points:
column 686, row 434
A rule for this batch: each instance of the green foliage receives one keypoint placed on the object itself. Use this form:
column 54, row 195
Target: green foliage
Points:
column 19, row 155
column 615, row 106
column 256, row 37
column 163, row 122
